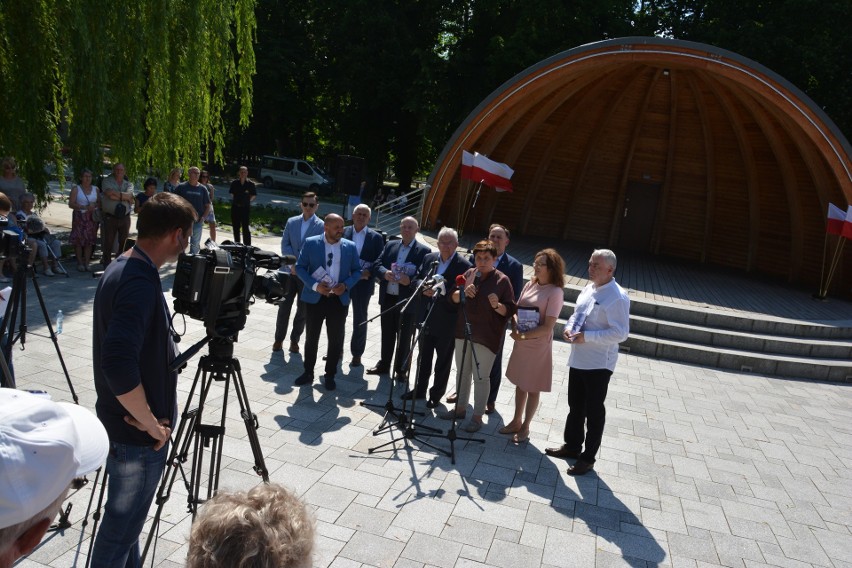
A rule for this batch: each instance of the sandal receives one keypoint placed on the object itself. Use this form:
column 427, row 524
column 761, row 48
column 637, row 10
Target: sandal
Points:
column 509, row 429
column 521, row 436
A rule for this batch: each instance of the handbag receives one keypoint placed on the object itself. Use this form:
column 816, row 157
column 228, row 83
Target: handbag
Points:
column 114, row 207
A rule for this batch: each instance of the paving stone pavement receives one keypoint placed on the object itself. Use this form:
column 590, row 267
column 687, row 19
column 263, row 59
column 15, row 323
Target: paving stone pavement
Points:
column 698, row 467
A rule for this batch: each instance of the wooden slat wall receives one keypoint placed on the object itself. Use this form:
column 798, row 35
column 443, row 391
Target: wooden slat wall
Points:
column 686, row 203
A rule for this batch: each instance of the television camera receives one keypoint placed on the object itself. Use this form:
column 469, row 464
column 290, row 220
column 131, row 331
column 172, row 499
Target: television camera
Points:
column 218, row 284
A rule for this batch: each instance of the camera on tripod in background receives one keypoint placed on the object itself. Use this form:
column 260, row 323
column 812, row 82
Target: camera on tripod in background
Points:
column 217, row 285
column 11, row 245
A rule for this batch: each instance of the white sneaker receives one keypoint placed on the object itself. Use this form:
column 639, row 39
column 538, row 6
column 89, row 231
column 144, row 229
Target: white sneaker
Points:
column 48, row 272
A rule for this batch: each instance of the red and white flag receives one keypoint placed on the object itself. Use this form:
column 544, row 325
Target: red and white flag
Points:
column 467, row 165
column 836, row 220
column 489, row 172
column 847, row 225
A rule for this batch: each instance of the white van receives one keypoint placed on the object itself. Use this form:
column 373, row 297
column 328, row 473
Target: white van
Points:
column 295, row 174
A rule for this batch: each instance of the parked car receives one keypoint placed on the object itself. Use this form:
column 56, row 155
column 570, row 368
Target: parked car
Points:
column 295, row 174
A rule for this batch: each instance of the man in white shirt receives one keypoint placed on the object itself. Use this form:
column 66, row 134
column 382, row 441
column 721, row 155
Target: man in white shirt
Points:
column 599, row 323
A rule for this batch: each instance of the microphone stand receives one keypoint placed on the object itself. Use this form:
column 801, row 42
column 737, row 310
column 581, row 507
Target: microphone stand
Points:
column 452, row 435
column 409, row 432
column 391, row 417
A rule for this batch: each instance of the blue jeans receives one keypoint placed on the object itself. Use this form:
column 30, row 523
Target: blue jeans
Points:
column 195, row 240
column 133, row 474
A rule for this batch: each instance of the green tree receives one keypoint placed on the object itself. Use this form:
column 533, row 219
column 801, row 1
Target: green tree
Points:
column 151, row 80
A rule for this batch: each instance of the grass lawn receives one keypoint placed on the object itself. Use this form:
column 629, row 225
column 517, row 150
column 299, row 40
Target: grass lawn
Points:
column 265, row 219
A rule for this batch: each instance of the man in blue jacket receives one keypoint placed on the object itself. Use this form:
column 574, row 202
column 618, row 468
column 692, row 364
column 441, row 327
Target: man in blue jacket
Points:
column 369, row 244
column 298, row 229
column 328, row 267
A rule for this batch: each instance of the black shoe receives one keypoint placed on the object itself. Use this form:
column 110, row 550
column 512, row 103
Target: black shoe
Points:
column 400, row 376
column 330, row 385
column 580, row 468
column 378, row 370
column 305, row 378
column 411, row 396
column 562, row 452
column 431, row 403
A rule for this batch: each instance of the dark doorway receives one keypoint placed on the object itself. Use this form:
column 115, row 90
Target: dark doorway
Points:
column 640, row 211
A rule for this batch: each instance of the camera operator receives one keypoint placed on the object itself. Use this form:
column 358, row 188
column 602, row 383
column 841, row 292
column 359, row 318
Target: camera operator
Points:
column 132, row 351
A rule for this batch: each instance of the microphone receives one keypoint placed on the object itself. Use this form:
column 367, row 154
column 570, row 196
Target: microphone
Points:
column 434, row 281
column 460, row 282
column 476, row 278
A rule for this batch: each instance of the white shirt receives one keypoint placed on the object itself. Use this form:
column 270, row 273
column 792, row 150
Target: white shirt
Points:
column 607, row 324
column 358, row 237
column 401, row 256
column 332, row 254
column 305, row 224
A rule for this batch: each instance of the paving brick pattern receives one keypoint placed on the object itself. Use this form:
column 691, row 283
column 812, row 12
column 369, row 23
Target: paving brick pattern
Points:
column 698, row 467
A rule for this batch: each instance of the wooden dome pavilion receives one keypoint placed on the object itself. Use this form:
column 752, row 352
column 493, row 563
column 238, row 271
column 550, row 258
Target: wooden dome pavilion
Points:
column 659, row 146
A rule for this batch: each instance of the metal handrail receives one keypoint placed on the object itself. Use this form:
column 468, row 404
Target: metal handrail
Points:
column 386, row 217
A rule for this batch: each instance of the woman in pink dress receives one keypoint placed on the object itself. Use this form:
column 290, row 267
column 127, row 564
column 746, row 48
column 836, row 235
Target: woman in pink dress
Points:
column 531, row 364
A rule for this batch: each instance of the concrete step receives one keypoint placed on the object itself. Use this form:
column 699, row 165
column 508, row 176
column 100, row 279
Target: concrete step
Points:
column 765, row 325
column 741, row 360
column 755, row 342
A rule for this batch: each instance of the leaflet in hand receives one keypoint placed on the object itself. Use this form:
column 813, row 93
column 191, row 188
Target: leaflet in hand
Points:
column 405, row 268
column 580, row 313
column 528, row 319
column 323, row 277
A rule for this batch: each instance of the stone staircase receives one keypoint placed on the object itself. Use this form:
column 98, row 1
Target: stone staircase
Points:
column 728, row 340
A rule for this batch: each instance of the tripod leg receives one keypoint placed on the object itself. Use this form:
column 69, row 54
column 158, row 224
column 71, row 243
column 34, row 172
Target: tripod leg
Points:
column 250, row 420
column 96, row 516
column 53, row 337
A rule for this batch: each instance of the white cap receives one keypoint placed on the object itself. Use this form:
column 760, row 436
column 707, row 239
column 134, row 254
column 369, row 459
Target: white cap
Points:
column 44, row 445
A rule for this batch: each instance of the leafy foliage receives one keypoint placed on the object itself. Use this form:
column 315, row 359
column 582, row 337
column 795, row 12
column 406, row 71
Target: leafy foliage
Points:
column 151, row 80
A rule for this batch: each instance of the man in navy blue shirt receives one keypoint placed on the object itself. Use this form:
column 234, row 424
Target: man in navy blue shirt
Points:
column 137, row 393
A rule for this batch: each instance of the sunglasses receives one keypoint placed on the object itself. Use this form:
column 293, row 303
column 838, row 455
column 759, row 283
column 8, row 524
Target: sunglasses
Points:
column 330, row 258
column 308, row 204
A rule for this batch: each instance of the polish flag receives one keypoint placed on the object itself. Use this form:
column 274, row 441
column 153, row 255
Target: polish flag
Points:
column 847, row 226
column 467, row 165
column 836, row 220
column 492, row 173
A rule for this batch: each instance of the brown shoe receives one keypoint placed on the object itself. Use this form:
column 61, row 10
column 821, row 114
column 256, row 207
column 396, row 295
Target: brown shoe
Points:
column 580, row 468
column 294, row 347
column 489, row 408
column 277, row 346
column 452, row 398
column 562, row 452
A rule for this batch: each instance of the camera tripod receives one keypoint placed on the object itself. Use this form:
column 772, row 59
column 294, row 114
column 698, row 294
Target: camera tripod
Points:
column 194, row 435
column 18, row 304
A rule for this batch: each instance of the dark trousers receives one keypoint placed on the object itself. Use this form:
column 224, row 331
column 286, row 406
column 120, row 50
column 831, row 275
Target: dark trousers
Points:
column 395, row 325
column 443, row 345
column 360, row 304
column 240, row 221
column 330, row 310
column 586, row 394
column 294, row 293
column 114, row 227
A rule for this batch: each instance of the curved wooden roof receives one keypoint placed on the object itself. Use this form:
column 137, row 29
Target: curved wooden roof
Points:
column 656, row 145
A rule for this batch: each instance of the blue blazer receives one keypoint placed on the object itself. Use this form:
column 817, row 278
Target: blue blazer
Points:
column 370, row 252
column 415, row 256
column 513, row 270
column 291, row 240
column 313, row 256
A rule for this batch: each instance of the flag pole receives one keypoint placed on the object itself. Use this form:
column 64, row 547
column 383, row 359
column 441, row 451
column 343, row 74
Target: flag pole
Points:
column 467, row 210
column 838, row 254
column 820, row 295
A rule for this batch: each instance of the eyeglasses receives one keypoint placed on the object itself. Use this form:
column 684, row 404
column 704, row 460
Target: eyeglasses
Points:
column 309, row 205
column 330, row 257
column 540, row 264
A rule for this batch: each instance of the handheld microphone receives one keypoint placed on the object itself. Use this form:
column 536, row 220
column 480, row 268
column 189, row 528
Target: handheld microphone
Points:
column 460, row 282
